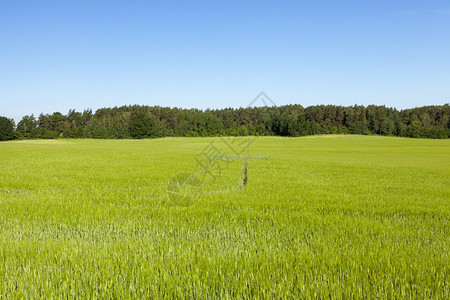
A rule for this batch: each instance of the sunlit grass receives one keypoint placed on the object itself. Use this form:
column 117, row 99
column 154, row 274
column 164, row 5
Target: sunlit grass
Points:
column 344, row 216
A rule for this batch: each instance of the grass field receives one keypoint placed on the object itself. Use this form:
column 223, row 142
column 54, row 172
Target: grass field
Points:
column 325, row 216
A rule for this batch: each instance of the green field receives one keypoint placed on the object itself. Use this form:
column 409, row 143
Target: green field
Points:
column 325, row 216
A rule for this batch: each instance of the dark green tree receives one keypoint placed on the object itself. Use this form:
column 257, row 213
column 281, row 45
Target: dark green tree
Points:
column 27, row 127
column 6, row 129
column 144, row 125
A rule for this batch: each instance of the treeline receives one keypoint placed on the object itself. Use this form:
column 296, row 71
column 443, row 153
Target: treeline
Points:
column 290, row 120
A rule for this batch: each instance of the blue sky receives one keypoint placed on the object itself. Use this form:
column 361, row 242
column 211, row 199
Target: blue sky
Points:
column 57, row 55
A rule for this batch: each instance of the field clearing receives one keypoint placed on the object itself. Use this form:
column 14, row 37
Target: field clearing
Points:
column 325, row 216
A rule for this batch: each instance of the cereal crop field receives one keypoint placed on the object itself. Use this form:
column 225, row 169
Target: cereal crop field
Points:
column 323, row 216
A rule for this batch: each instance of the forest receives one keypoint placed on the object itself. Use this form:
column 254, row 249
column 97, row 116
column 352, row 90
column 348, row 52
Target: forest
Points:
column 140, row 121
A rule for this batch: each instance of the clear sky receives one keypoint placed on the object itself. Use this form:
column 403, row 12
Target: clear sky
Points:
column 57, row 55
